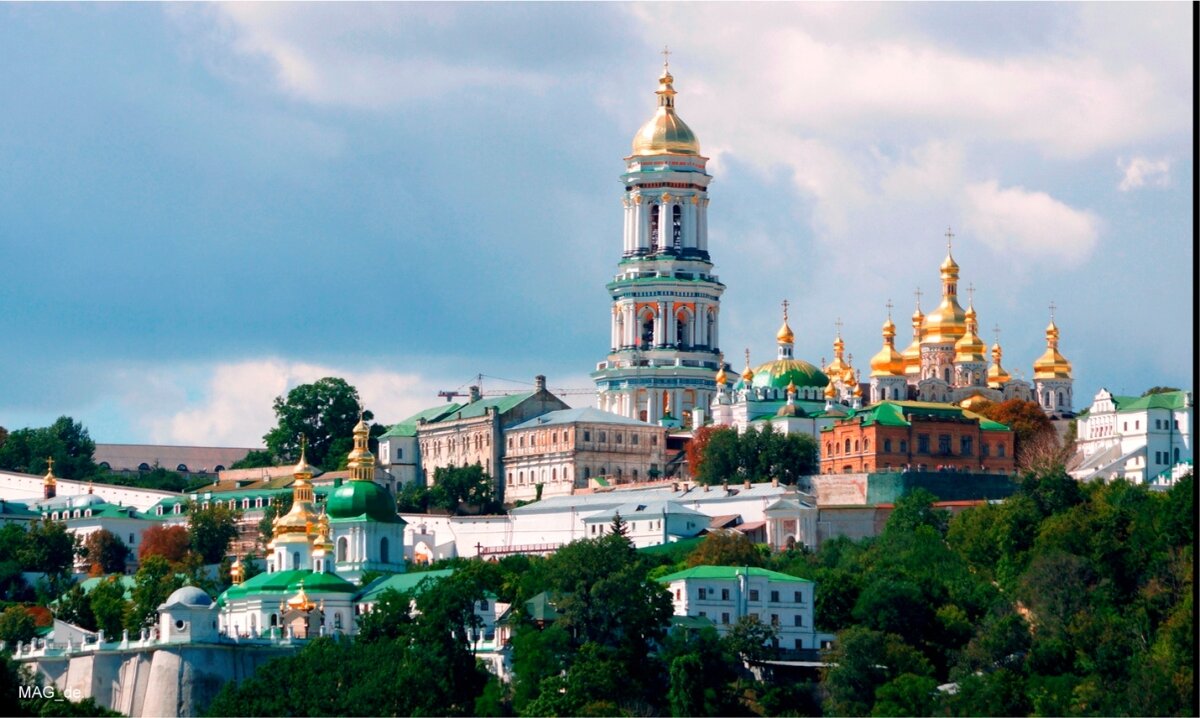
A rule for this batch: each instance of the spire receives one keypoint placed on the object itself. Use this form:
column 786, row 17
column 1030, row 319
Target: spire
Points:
column 665, row 133
column 297, row 523
column 946, row 324
column 361, row 460
column 836, row 369
column 970, row 348
column 748, row 374
column 1051, row 364
column 888, row 361
column 50, row 481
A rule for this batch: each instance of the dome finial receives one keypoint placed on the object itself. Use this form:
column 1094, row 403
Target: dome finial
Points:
column 666, row 53
column 785, row 335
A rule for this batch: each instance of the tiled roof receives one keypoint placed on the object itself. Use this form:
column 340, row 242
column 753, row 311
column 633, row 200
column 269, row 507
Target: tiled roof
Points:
column 408, row 427
column 587, row 414
column 730, row 573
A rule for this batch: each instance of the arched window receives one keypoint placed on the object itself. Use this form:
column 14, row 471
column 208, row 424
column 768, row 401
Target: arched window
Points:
column 342, row 547
column 866, row 444
column 648, row 329
column 337, row 621
column 182, row 467
column 946, row 374
column 553, row 475
column 274, row 619
column 143, row 466
column 676, row 226
column 131, row 541
column 295, row 560
column 654, row 243
column 383, row 549
column 681, row 327
column 218, row 468
column 847, row 449
column 1060, row 398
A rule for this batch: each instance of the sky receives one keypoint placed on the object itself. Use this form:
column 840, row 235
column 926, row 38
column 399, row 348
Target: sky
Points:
column 204, row 205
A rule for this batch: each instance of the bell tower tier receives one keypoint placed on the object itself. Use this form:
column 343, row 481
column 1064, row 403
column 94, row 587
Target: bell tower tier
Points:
column 664, row 344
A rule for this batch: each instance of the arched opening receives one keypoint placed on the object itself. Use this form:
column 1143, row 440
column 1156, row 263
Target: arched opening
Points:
column 342, row 547
column 647, row 336
column 946, row 374
column 182, row 467
column 1060, row 398
column 383, row 549
column 654, row 235
column 295, row 560
column 676, row 226
column 681, row 329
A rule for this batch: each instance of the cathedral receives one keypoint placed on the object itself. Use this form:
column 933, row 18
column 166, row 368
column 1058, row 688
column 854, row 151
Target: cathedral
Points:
column 665, row 366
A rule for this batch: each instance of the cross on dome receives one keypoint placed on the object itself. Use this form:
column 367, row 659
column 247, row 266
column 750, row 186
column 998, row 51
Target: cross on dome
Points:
column 971, row 293
column 666, row 52
column 1053, row 306
column 785, row 308
column 917, row 294
column 949, row 239
column 838, row 324
column 889, row 307
column 996, row 332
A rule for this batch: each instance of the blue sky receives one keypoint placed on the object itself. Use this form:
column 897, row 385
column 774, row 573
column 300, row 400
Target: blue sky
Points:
column 203, row 205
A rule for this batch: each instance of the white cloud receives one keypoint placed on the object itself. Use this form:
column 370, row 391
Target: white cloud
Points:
column 1034, row 224
column 1143, row 171
column 230, row 404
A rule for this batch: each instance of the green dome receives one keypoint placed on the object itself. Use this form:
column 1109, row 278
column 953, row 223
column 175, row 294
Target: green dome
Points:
column 362, row 499
column 779, row 373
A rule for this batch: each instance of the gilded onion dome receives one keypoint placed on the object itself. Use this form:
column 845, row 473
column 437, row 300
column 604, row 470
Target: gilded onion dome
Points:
column 888, row 362
column 948, row 323
column 829, row 391
column 997, row 377
column 785, row 335
column 970, row 348
column 297, row 523
column 838, row 367
column 721, row 378
column 361, row 461
column 747, row 373
column 1051, row 364
column 912, row 355
column 665, row 133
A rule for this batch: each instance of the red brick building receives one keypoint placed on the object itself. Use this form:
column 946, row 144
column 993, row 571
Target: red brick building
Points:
column 892, row 435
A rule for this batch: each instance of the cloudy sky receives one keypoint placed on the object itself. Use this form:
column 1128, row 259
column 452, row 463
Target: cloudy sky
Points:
column 203, row 205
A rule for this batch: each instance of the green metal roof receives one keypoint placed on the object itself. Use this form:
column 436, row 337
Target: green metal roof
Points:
column 400, row 582
column 408, row 427
column 729, row 573
column 897, row 413
column 541, row 608
column 362, row 500
column 288, row 582
column 500, row 403
column 1164, row 400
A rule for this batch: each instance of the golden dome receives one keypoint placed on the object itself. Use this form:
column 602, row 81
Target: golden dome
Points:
column 970, row 348
column 996, row 375
column 361, row 461
column 748, row 374
column 1051, row 364
column 665, row 133
column 888, row 362
column 973, row 401
column 785, row 335
column 791, row 387
column 837, row 368
column 721, row 378
column 829, row 391
column 302, row 467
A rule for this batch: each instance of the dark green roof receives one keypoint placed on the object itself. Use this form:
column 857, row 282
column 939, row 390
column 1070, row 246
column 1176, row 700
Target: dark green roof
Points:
column 362, row 500
column 779, row 373
column 501, row 404
column 897, row 413
column 408, row 427
column 730, row 573
column 400, row 582
column 541, row 608
column 288, row 582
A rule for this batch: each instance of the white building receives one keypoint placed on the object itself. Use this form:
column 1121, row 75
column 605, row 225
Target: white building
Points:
column 649, row 524
column 723, row 594
column 1145, row 439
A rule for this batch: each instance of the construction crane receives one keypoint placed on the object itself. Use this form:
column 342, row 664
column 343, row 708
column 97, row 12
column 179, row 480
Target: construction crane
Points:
column 451, row 394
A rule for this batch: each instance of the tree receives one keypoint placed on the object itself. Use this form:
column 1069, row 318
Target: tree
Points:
column 75, row 607
column 1160, row 390
column 108, row 604
column 454, row 488
column 1034, row 435
column 696, row 447
column 255, row 459
column 170, row 542
column 725, row 548
column 211, row 530
column 906, row 695
column 759, row 455
column 619, row 526
column 105, row 553
column 862, row 660
column 66, row 441
column 154, row 582
column 325, row 412
column 50, row 548
column 752, row 639
column 17, row 625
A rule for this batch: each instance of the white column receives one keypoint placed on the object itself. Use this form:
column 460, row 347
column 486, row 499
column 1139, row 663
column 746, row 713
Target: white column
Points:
column 652, row 399
column 702, row 224
column 630, row 322
column 689, row 224
column 664, row 225
column 643, row 225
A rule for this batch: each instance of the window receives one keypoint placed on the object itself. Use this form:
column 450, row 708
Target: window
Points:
column 798, row 619
column 965, row 446
column 1137, row 424
column 943, row 443
column 725, row 619
column 774, row 596
column 678, row 594
column 383, row 549
column 798, row 597
column 774, row 619
column 603, row 437
column 633, row 439
column 587, row 435
column 754, row 594
column 703, row 593
column 618, row 439
column 337, row 621
column 483, row 605
column 182, row 467
column 887, row 446
column 922, row 443
column 342, row 547
column 654, row 440
column 399, row 455
column 1000, row 450
column 903, row 447
column 724, row 594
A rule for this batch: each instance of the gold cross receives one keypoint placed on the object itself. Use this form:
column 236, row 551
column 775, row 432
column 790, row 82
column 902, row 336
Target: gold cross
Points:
column 747, row 357
column 918, row 296
column 666, row 56
column 1053, row 306
column 838, row 324
column 971, row 292
column 889, row 307
column 785, row 307
column 996, row 331
column 949, row 238
column 50, row 464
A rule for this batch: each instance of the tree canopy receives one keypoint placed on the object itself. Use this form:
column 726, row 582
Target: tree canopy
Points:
column 211, row 530
column 66, row 441
column 757, row 455
column 325, row 412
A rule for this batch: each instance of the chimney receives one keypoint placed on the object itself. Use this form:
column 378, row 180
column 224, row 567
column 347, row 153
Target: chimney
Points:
column 475, row 396
column 539, row 383
column 774, row 483
column 697, row 418
column 747, row 484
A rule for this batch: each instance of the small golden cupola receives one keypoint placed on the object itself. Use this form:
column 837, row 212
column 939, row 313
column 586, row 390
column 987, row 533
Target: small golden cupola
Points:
column 721, row 378
column 785, row 336
column 888, row 361
column 948, row 323
column 970, row 348
column 912, row 355
column 837, row 369
column 748, row 372
column 49, row 481
column 1051, row 364
column 296, row 525
column 237, row 572
column 361, row 461
column 997, row 377
column 665, row 133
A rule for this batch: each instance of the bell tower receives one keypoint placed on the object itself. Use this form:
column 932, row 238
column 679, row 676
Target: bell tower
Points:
column 664, row 351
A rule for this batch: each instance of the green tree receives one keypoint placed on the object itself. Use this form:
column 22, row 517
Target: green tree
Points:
column 753, row 639
column 211, row 530
column 50, row 548
column 17, row 625
column 325, row 412
column 66, row 441
column 154, row 582
column 255, row 459
column 457, row 488
column 906, row 695
column 75, row 607
column 105, row 552
column 108, row 605
column 1160, row 390
column 760, row 455
column 862, row 660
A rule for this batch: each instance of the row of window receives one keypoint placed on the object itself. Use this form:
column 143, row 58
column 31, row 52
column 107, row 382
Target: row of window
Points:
column 1164, row 457
column 797, row 620
column 966, row 446
column 704, row 594
column 654, row 525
